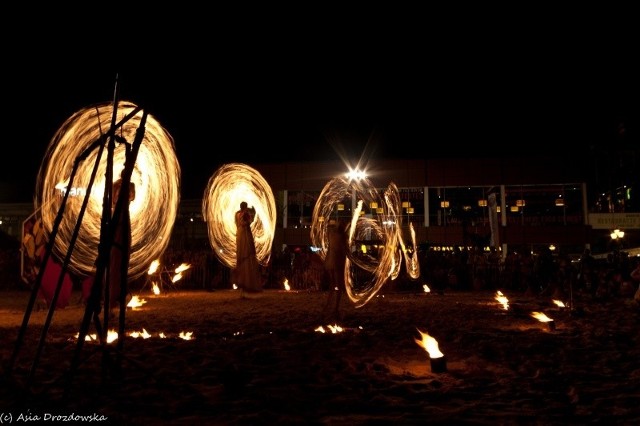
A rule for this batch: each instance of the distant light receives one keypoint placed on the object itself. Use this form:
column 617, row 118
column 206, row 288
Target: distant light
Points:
column 617, row 234
column 356, row 174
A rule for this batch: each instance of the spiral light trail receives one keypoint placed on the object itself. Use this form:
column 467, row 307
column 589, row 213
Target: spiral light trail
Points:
column 156, row 175
column 227, row 188
column 384, row 228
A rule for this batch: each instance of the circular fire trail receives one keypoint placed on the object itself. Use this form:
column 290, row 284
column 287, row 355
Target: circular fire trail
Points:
column 156, row 176
column 227, row 188
column 385, row 230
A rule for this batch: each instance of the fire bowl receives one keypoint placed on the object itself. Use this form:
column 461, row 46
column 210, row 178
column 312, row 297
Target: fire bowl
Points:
column 438, row 365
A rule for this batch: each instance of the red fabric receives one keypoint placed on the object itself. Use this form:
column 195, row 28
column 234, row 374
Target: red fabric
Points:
column 87, row 283
column 50, row 281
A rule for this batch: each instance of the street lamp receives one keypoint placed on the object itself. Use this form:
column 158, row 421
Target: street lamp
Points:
column 617, row 234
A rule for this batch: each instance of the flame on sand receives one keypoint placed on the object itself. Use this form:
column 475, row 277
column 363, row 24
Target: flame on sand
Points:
column 179, row 270
column 333, row 328
column 502, row 299
column 227, row 188
column 112, row 335
column 156, row 176
column 136, row 302
column 153, row 267
column 143, row 334
column 385, row 227
column 429, row 344
column 541, row 317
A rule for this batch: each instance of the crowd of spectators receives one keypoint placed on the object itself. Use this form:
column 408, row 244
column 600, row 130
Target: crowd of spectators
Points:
column 543, row 273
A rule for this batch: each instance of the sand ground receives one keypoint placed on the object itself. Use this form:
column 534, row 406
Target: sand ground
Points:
column 264, row 361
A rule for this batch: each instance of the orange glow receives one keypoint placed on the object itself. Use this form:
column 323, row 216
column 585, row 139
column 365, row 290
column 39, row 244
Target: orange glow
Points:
column 227, row 188
column 156, row 176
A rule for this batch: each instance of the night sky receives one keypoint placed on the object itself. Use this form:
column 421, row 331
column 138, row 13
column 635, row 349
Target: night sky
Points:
column 289, row 96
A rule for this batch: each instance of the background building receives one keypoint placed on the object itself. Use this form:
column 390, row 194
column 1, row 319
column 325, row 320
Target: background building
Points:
column 539, row 201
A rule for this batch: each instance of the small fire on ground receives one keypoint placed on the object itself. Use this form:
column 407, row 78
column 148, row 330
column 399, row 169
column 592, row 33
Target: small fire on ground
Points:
column 112, row 335
column 332, row 328
column 429, row 344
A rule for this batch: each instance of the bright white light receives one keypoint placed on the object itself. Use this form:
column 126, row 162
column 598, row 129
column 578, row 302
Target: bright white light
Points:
column 617, row 234
column 356, row 174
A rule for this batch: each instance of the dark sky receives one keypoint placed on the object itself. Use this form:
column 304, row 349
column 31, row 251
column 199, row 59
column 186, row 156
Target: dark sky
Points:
column 281, row 96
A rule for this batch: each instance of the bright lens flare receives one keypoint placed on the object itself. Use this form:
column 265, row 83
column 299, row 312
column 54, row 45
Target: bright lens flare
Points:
column 227, row 188
column 156, row 176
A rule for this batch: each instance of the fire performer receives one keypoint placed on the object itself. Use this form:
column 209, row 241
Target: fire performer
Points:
column 121, row 248
column 334, row 265
column 246, row 274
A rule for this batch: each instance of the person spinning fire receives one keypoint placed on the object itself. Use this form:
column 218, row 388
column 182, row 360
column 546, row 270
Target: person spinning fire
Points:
column 120, row 250
column 246, row 274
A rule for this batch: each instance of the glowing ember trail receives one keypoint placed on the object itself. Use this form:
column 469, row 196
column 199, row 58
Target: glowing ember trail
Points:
column 156, row 176
column 385, row 229
column 227, row 188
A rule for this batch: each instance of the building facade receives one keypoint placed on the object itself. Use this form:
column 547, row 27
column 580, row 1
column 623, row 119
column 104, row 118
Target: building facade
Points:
column 450, row 202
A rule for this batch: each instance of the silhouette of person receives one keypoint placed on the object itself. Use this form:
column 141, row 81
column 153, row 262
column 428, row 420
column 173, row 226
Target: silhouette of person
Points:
column 334, row 265
column 120, row 250
column 246, row 274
